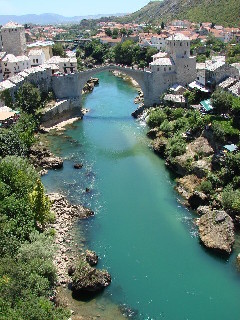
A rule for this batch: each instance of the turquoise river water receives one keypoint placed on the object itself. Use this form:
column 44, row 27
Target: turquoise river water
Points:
column 145, row 238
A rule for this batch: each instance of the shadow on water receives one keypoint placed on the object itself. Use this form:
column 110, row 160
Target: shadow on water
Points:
column 85, row 296
column 218, row 255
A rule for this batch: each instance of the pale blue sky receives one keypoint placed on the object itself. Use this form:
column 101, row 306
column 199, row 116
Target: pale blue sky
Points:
column 70, row 7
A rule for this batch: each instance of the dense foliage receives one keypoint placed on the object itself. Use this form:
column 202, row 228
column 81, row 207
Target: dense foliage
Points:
column 127, row 53
column 27, row 273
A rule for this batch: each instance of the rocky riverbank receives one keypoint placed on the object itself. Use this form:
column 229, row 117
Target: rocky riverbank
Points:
column 67, row 247
column 43, row 159
column 127, row 78
column 216, row 226
column 89, row 86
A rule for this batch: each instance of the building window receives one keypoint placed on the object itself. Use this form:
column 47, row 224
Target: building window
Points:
column 37, row 60
column 157, row 69
column 180, row 44
column 185, row 52
column 164, row 68
column 187, row 43
column 170, row 68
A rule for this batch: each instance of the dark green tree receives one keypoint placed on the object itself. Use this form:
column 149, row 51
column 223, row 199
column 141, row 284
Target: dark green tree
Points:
column 28, row 98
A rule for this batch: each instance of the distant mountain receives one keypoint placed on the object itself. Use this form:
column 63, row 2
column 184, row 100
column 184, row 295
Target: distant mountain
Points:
column 224, row 12
column 50, row 18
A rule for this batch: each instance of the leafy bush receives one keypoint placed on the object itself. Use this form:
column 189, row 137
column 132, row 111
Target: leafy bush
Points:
column 206, row 186
column 156, row 118
column 176, row 146
column 231, row 199
column 28, row 98
column 223, row 130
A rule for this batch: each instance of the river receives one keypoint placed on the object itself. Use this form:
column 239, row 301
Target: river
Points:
column 144, row 237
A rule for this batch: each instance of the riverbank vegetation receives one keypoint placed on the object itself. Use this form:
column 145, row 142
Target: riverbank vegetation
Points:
column 27, row 272
column 193, row 143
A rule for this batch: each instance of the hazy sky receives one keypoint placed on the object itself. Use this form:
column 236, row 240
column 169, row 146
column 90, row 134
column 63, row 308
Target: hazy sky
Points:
column 70, row 7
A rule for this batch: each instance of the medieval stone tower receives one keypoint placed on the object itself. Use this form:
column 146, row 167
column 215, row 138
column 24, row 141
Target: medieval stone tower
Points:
column 178, row 47
column 13, row 39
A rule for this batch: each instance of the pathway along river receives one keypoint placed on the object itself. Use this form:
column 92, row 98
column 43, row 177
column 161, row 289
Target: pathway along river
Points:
column 144, row 237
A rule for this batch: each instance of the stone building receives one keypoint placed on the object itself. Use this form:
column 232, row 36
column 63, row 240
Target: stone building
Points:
column 37, row 57
column 66, row 65
column 176, row 65
column 45, row 46
column 12, row 65
column 214, row 71
column 13, row 39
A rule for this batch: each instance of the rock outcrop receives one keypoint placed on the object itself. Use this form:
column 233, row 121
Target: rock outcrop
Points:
column 86, row 278
column 187, row 185
column 159, row 145
column 216, row 231
column 91, row 258
column 41, row 157
column 89, row 86
column 139, row 98
column 66, row 215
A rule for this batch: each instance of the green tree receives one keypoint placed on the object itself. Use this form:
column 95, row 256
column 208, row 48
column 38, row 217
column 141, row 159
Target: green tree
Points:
column 40, row 205
column 162, row 25
column 221, row 101
column 108, row 32
column 28, row 98
column 58, row 50
column 123, row 32
column 7, row 98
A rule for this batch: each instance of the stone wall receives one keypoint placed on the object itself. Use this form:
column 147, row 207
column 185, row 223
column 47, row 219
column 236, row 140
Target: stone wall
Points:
column 62, row 110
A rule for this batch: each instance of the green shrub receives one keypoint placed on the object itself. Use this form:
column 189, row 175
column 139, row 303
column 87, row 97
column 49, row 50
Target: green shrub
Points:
column 156, row 118
column 206, row 186
column 176, row 146
column 231, row 199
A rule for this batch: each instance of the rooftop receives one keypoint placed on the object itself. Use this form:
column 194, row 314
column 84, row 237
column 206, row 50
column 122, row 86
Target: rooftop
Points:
column 6, row 85
column 35, row 52
column 227, row 83
column 11, row 25
column 206, row 104
column 6, row 115
column 178, row 36
column 160, row 55
column 230, row 147
column 162, row 62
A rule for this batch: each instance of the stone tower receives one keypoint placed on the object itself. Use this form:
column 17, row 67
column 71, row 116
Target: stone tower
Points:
column 13, row 39
column 178, row 47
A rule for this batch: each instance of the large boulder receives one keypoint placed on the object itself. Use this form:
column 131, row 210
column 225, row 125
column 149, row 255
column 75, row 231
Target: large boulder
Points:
column 159, row 145
column 152, row 133
column 51, row 162
column 41, row 157
column 86, row 278
column 216, row 231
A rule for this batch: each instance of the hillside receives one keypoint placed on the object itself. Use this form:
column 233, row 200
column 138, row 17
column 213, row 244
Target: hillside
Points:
column 218, row 11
